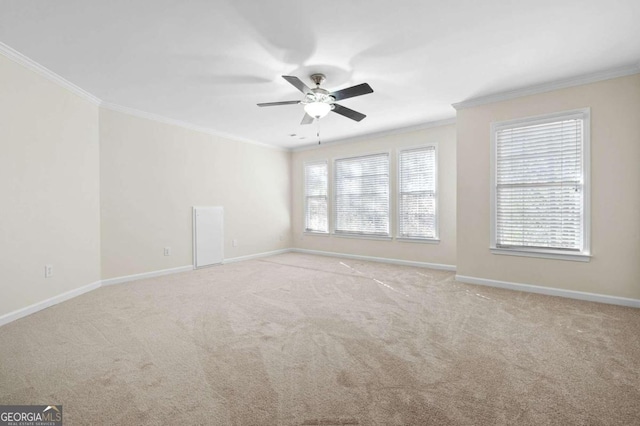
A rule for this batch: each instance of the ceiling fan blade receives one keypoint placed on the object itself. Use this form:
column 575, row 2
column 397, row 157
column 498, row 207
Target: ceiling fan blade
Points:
column 278, row 103
column 297, row 83
column 307, row 119
column 350, row 92
column 347, row 112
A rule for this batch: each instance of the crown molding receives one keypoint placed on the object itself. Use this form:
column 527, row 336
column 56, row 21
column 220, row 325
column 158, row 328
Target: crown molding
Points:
column 19, row 58
column 32, row 65
column 368, row 136
column 550, row 86
column 170, row 121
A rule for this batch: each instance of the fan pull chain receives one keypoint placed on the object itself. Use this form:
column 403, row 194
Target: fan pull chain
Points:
column 318, row 133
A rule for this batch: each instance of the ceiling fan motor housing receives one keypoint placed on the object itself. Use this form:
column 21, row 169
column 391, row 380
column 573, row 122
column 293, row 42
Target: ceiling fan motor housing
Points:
column 318, row 95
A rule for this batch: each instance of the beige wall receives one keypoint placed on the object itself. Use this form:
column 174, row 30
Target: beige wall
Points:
column 442, row 253
column 152, row 174
column 49, row 189
column 99, row 194
column 615, row 195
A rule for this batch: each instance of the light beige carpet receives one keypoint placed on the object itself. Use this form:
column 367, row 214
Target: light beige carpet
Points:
column 305, row 340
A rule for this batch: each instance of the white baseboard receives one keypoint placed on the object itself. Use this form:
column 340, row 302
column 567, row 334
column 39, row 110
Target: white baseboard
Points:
column 255, row 256
column 20, row 313
column 135, row 277
column 551, row 291
column 592, row 297
column 23, row 312
column 378, row 259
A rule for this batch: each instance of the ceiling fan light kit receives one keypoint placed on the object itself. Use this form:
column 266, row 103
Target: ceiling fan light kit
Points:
column 319, row 102
column 318, row 109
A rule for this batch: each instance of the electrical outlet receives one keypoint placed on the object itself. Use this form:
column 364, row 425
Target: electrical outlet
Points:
column 234, row 242
column 167, row 251
column 48, row 271
column 281, row 237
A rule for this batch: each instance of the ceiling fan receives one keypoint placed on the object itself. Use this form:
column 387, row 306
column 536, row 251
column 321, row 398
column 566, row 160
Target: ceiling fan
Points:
column 319, row 102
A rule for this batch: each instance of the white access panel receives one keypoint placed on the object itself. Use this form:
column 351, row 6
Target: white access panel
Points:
column 208, row 241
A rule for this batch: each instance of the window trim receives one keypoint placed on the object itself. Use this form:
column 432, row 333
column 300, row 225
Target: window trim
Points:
column 358, row 235
column 584, row 255
column 436, row 238
column 304, row 198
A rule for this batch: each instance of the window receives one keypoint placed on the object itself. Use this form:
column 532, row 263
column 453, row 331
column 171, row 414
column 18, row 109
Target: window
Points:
column 417, row 193
column 540, row 186
column 362, row 195
column 315, row 197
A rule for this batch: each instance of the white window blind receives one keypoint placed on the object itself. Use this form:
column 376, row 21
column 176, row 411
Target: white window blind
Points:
column 539, row 185
column 315, row 193
column 362, row 195
column 417, row 198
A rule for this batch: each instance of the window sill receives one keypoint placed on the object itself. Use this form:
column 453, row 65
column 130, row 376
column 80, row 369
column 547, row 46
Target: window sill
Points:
column 545, row 254
column 418, row 240
column 318, row 234
column 363, row 236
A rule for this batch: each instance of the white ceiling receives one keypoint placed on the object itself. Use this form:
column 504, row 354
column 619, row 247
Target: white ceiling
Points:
column 209, row 62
